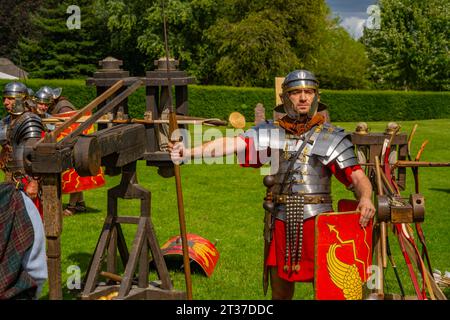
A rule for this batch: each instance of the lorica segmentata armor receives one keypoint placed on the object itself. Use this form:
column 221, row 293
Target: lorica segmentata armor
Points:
column 27, row 127
column 310, row 175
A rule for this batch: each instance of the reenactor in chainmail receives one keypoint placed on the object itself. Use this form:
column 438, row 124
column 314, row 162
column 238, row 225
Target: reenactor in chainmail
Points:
column 20, row 129
column 304, row 151
column 49, row 102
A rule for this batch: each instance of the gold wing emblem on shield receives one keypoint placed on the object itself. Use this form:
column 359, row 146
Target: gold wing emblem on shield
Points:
column 344, row 276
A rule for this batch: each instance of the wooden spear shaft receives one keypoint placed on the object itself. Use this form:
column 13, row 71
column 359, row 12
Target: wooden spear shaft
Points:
column 407, row 164
column 210, row 122
column 404, row 163
column 382, row 223
column 378, row 245
column 172, row 127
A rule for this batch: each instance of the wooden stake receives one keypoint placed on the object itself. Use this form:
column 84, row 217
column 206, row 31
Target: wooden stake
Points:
column 383, row 233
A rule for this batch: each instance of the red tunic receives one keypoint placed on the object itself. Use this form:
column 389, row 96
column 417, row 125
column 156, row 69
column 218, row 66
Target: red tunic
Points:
column 277, row 248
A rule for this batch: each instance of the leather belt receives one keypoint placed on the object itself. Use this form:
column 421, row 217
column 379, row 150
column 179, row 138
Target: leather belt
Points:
column 308, row 199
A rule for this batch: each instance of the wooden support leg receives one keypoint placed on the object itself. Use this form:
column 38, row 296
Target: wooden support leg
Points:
column 51, row 202
column 54, row 268
column 377, row 249
column 111, row 262
column 158, row 258
column 112, row 240
column 143, row 266
column 133, row 261
column 96, row 261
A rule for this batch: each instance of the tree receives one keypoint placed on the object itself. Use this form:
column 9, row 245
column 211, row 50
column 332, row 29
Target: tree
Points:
column 136, row 31
column 125, row 22
column 232, row 42
column 52, row 50
column 255, row 41
column 341, row 61
column 15, row 22
column 252, row 51
column 410, row 50
column 186, row 22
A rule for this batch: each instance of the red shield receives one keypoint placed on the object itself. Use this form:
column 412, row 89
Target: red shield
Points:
column 201, row 250
column 71, row 181
column 343, row 256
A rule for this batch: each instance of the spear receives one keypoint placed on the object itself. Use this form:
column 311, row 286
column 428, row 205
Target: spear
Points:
column 173, row 126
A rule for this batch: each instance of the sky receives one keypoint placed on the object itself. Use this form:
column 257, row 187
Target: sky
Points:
column 353, row 14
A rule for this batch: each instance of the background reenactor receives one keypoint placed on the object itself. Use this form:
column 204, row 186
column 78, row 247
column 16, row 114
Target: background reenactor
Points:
column 50, row 103
column 19, row 128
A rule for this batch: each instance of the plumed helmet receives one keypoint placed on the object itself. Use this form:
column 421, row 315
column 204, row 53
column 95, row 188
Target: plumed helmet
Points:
column 15, row 89
column 298, row 79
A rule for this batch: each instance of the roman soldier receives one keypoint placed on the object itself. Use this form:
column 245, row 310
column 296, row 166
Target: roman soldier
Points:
column 19, row 129
column 304, row 152
column 50, row 103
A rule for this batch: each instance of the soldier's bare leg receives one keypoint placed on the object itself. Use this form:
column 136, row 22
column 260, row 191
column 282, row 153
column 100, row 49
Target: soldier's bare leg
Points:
column 281, row 289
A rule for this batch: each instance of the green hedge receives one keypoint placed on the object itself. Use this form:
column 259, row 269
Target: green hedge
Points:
column 220, row 101
column 386, row 105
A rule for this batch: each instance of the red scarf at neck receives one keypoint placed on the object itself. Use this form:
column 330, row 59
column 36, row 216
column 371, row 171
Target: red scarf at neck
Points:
column 298, row 127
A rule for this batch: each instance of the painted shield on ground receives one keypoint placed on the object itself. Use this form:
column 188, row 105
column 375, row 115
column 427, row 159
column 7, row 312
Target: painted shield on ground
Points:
column 70, row 180
column 343, row 256
column 201, row 250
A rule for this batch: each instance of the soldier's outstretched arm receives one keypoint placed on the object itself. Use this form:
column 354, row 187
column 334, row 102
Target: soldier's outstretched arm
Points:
column 363, row 190
column 217, row 148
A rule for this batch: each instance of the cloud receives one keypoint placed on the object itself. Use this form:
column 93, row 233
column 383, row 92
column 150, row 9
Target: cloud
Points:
column 354, row 26
column 349, row 5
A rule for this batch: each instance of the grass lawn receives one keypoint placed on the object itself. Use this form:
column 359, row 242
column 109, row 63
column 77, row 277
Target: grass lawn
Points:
column 223, row 203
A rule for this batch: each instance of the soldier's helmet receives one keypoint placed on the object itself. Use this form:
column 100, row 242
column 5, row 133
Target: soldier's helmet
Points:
column 48, row 96
column 44, row 95
column 15, row 90
column 30, row 93
column 297, row 79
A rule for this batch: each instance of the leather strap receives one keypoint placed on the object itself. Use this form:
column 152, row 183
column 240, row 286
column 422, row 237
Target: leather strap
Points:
column 308, row 199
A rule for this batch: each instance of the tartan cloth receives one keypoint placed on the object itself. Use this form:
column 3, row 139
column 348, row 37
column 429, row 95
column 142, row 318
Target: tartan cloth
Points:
column 16, row 237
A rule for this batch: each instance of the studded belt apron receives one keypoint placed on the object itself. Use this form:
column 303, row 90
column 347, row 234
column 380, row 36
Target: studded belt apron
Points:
column 294, row 217
column 294, row 231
